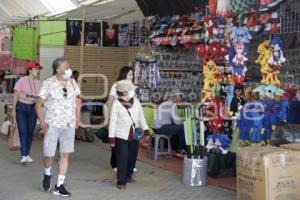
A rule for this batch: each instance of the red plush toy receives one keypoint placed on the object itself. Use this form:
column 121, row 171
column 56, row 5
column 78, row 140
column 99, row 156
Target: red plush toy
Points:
column 212, row 51
column 209, row 28
column 222, row 51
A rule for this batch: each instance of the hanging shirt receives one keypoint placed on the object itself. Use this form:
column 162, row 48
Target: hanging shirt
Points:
column 27, row 88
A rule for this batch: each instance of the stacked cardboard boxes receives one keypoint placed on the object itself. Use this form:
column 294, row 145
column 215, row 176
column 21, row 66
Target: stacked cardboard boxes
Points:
column 268, row 173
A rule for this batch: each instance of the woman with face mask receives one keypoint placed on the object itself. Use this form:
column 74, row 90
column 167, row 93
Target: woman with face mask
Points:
column 25, row 94
column 126, row 73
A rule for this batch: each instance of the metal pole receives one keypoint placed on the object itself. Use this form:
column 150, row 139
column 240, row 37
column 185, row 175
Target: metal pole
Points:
column 82, row 42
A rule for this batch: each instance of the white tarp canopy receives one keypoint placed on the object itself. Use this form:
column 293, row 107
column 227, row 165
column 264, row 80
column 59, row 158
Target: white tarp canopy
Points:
column 114, row 11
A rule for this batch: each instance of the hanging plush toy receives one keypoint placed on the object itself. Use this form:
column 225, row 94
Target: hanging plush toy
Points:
column 271, row 61
column 212, row 51
column 202, row 52
column 223, row 8
column 275, row 22
column 238, row 62
column 221, row 54
column 208, row 89
column 229, row 95
column 265, row 53
column 277, row 59
column 228, row 28
column 209, row 29
column 254, row 113
column 210, row 69
column 240, row 35
column 238, row 100
column 219, row 31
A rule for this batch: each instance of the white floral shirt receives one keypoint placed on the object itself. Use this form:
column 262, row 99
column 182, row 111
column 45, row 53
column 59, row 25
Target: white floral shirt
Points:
column 59, row 105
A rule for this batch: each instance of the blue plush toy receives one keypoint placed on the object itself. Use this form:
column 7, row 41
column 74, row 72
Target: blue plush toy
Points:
column 229, row 89
column 218, row 143
column 240, row 35
column 254, row 114
column 268, row 119
column 283, row 113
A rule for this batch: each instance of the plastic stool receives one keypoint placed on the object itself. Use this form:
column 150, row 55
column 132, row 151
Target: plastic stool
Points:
column 159, row 146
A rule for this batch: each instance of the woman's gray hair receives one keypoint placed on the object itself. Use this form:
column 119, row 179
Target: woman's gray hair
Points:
column 56, row 63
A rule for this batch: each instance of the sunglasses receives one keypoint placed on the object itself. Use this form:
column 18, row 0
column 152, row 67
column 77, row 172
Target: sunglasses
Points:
column 65, row 92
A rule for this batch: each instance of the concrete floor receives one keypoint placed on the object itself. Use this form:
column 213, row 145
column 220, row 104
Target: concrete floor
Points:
column 90, row 177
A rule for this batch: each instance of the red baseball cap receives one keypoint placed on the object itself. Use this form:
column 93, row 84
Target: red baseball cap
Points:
column 32, row 65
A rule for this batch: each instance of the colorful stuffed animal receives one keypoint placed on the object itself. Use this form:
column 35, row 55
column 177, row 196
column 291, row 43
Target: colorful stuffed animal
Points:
column 238, row 62
column 254, row 113
column 269, row 92
column 277, row 59
column 208, row 89
column 269, row 75
column 210, row 69
column 210, row 143
column 209, row 29
column 218, row 143
column 229, row 95
column 240, row 35
column 238, row 100
column 222, row 142
column 212, row 51
column 221, row 53
column 219, row 31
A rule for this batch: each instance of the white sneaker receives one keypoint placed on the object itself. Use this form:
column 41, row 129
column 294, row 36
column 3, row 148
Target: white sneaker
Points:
column 29, row 159
column 23, row 160
column 115, row 169
column 135, row 169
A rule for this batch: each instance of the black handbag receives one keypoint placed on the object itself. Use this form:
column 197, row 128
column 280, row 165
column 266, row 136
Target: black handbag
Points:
column 84, row 134
column 102, row 134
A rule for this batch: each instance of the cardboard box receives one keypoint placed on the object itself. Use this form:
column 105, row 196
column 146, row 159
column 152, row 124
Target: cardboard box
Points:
column 268, row 173
column 294, row 147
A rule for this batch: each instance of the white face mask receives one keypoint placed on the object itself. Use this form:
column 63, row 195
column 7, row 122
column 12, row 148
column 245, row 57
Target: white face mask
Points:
column 68, row 74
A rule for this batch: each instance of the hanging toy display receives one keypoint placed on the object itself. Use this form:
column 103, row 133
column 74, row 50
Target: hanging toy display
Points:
column 223, row 8
column 240, row 35
column 209, row 72
column 265, row 53
column 238, row 62
column 277, row 59
column 219, row 31
column 210, row 28
column 238, row 100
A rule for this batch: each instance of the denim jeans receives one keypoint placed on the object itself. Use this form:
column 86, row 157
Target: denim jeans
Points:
column 26, row 122
column 173, row 129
